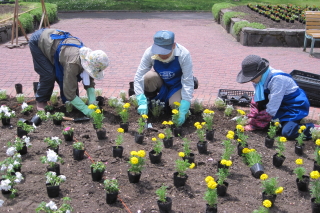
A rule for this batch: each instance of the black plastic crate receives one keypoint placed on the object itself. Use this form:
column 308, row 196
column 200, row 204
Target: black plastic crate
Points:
column 236, row 97
column 310, row 83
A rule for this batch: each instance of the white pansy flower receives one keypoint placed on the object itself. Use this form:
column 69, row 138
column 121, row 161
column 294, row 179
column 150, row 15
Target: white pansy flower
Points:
column 24, row 105
column 5, row 185
column 18, row 155
column 3, row 167
column 68, row 211
column 19, row 177
column 52, row 156
column 63, row 177
column 27, row 140
column 52, row 205
column 10, row 167
column 1, row 203
column 16, row 162
column 10, row 151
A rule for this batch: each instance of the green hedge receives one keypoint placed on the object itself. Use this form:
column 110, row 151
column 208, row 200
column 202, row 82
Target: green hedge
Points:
column 217, row 7
column 241, row 24
column 35, row 15
column 228, row 15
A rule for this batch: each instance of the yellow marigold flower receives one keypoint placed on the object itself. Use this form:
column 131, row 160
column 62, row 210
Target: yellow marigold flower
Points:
column 300, row 131
column 319, row 152
column 170, row 123
column 203, row 123
column 267, row 203
column 314, row 174
column 223, row 162
column 299, row 161
column 228, row 163
column 245, row 150
column 208, row 179
column 134, row 160
column 318, row 142
column 206, row 111
column 176, row 103
column 276, row 123
column 141, row 153
column 252, row 150
column 164, row 122
column 126, row 105
column 283, row 139
column 144, row 116
column 181, row 154
column 120, row 130
column 175, row 111
column 230, row 136
column 133, row 153
column 92, row 106
column 98, row 111
column 279, row 190
column 192, row 165
column 199, row 126
column 212, row 184
column 153, row 139
column 239, row 127
column 264, row 176
column 211, row 112
column 231, row 132
column 303, row 127
column 241, row 112
column 239, row 140
column 161, row 136
column 124, row 110
column 196, row 124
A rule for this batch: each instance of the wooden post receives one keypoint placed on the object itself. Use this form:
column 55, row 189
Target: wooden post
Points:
column 15, row 29
column 44, row 18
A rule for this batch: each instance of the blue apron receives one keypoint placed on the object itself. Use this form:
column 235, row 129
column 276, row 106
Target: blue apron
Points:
column 171, row 75
column 58, row 66
column 294, row 106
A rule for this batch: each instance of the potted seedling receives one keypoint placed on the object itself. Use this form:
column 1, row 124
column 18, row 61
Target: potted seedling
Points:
column 156, row 153
column 78, row 151
column 97, row 170
column 112, row 189
column 164, row 202
column 57, row 118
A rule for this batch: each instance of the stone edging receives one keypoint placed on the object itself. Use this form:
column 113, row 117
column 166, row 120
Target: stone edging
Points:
column 270, row 37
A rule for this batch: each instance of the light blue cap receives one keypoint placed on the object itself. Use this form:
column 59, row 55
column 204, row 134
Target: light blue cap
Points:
column 163, row 41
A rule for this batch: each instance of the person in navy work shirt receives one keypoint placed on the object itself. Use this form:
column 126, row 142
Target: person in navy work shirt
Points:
column 171, row 78
column 276, row 96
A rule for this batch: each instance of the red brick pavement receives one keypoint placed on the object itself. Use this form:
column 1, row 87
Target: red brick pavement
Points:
column 124, row 36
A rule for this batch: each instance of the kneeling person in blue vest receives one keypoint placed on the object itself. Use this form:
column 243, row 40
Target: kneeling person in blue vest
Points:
column 276, row 96
column 59, row 56
column 171, row 78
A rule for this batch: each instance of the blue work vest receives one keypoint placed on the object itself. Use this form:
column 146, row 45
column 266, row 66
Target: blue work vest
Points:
column 171, row 74
column 294, row 106
column 58, row 66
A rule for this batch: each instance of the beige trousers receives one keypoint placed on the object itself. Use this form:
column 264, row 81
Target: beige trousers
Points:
column 152, row 82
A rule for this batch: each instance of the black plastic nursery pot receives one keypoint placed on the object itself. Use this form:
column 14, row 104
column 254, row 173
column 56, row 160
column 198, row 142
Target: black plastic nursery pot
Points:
column 298, row 149
column 5, row 121
column 78, row 154
column 53, row 191
column 57, row 122
column 138, row 138
column 117, row 151
column 68, row 137
column 269, row 142
column 272, row 198
column 190, row 158
column 177, row 131
column 222, row 189
column 111, row 197
column 315, row 206
column 101, row 133
column 134, row 177
column 257, row 170
column 36, row 120
column 303, row 185
column 278, row 161
column 166, row 206
column 210, row 135
column 210, row 209
column 179, row 181
column 168, row 143
column 18, row 88
column 124, row 126
column 24, row 149
column 97, row 175
column 21, row 132
column 154, row 159
column 202, row 147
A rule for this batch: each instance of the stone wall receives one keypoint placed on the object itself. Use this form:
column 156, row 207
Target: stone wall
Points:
column 270, row 37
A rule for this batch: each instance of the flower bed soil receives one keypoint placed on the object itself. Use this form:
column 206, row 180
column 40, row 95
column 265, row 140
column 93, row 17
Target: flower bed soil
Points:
column 243, row 195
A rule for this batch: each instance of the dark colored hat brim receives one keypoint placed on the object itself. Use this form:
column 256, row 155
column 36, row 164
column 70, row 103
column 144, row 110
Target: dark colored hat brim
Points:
column 244, row 79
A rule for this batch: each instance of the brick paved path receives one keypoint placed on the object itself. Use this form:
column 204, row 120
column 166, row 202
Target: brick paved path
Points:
column 124, row 36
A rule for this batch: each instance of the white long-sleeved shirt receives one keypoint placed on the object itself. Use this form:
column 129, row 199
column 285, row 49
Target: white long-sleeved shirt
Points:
column 279, row 86
column 186, row 65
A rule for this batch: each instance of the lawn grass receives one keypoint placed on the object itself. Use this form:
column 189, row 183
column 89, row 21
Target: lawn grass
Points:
column 159, row 5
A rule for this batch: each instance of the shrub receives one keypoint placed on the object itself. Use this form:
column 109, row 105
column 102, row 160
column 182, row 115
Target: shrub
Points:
column 237, row 27
column 217, row 7
column 228, row 15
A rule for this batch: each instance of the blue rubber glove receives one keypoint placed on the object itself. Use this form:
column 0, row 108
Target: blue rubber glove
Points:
column 143, row 104
column 91, row 96
column 80, row 105
column 183, row 110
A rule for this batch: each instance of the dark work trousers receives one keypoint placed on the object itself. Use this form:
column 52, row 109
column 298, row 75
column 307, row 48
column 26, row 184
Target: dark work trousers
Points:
column 43, row 67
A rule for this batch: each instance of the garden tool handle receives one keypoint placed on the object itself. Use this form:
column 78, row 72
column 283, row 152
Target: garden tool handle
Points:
column 67, row 119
